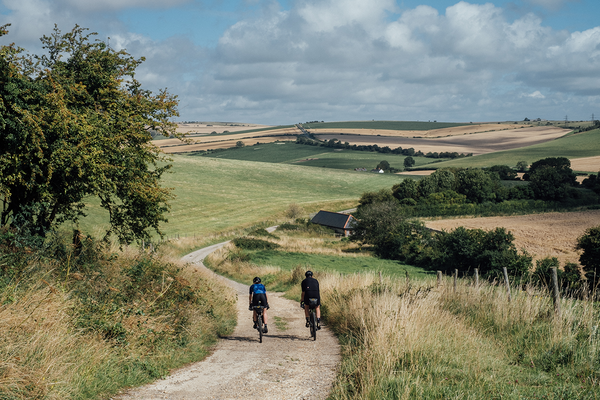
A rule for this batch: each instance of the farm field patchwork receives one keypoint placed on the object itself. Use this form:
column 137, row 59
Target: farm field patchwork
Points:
column 541, row 235
column 477, row 143
column 573, row 146
column 219, row 127
column 315, row 156
column 422, row 130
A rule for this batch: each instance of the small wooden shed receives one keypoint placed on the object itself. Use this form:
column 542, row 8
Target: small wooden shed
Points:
column 342, row 224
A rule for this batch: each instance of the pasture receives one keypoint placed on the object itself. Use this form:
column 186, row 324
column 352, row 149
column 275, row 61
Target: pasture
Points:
column 215, row 195
column 314, row 156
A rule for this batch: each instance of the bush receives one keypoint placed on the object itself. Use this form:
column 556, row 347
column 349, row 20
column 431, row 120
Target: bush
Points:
column 254, row 244
column 589, row 242
column 467, row 249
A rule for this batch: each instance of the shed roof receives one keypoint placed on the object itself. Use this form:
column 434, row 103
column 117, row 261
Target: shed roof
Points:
column 334, row 220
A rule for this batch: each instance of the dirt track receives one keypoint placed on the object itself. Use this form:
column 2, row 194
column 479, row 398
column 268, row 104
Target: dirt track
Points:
column 287, row 365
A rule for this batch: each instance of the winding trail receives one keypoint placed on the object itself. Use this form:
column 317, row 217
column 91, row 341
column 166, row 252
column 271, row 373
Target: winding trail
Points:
column 287, row 365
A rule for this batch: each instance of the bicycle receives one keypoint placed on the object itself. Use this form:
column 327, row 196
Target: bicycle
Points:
column 259, row 321
column 312, row 317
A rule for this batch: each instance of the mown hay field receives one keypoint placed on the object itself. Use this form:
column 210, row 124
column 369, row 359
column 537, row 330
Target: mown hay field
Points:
column 542, row 235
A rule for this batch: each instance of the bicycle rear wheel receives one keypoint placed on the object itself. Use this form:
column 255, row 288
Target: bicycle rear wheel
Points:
column 313, row 325
column 259, row 323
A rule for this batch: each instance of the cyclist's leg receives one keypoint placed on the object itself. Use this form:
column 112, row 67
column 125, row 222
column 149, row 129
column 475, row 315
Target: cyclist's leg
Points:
column 307, row 314
column 319, row 312
column 265, row 316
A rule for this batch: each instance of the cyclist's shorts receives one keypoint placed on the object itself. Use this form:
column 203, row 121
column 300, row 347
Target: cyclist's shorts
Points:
column 312, row 302
column 259, row 299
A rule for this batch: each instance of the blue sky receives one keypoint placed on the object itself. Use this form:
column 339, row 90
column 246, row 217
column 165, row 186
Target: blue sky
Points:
column 288, row 61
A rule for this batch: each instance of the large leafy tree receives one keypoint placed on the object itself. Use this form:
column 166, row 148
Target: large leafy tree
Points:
column 75, row 123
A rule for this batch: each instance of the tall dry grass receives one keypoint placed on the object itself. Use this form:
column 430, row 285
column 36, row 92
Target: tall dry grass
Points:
column 70, row 330
column 421, row 341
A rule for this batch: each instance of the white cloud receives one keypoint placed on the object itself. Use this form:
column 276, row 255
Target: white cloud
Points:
column 535, row 95
column 352, row 59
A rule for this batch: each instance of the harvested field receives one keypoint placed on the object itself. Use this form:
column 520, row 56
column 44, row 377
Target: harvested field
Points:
column 476, row 143
column 223, row 144
column 424, row 172
column 589, row 164
column 219, row 127
column 541, row 235
column 210, row 142
column 433, row 133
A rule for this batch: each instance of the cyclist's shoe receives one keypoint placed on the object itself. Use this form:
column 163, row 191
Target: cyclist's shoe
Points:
column 265, row 329
column 318, row 327
column 255, row 326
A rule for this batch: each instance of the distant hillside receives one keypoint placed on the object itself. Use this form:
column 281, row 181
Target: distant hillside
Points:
column 383, row 125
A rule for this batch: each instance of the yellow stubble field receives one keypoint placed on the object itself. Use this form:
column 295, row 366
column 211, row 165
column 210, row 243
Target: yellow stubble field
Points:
column 542, row 235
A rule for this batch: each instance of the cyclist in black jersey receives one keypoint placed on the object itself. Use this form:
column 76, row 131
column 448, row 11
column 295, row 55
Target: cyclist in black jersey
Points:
column 311, row 293
column 258, row 295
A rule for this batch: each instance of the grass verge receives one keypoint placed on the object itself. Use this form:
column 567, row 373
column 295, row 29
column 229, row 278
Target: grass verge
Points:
column 86, row 323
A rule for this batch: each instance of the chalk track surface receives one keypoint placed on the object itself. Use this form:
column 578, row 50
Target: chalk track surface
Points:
column 287, row 365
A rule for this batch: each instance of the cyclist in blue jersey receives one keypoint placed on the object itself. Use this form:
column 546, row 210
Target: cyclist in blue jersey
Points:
column 258, row 296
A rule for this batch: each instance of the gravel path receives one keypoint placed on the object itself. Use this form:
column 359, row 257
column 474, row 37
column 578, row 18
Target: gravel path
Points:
column 287, row 365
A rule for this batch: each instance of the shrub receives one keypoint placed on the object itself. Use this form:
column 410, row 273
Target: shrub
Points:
column 589, row 242
column 254, row 244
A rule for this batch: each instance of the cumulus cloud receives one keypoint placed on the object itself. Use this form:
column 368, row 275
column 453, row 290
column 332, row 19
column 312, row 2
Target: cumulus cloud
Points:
column 353, row 59
column 421, row 63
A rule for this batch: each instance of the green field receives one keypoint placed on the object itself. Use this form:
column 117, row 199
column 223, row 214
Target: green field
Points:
column 213, row 195
column 291, row 153
column 386, row 125
column 346, row 265
column 272, row 128
column 585, row 144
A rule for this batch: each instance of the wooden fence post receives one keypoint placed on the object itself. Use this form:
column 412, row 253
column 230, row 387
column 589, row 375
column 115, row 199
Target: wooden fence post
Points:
column 455, row 278
column 380, row 278
column 476, row 277
column 407, row 277
column 439, row 278
column 507, row 283
column 556, row 292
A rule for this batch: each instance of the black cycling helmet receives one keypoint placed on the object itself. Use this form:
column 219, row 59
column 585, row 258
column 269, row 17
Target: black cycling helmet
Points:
column 308, row 273
column 256, row 280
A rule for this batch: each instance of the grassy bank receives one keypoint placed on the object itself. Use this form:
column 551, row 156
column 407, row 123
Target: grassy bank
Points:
column 85, row 323
column 419, row 340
